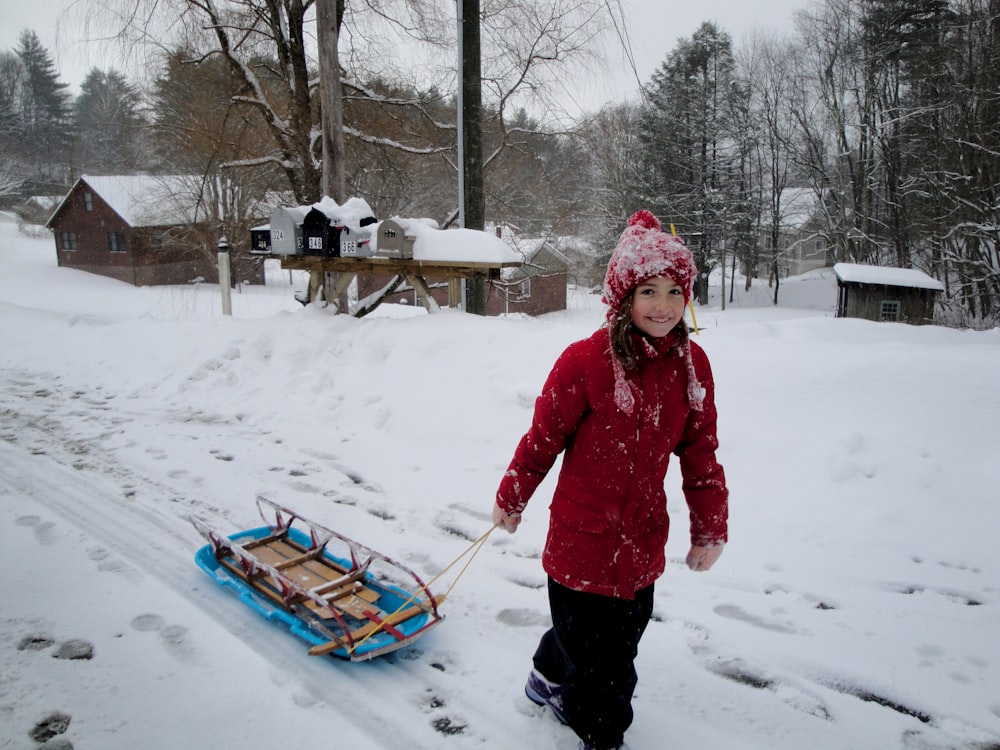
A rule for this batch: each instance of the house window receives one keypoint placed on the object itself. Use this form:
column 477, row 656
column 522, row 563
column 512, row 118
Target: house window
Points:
column 67, row 240
column 88, row 201
column 116, row 242
column 889, row 311
column 522, row 291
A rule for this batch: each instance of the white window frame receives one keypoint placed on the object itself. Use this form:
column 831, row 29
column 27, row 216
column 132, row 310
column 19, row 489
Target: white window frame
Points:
column 889, row 310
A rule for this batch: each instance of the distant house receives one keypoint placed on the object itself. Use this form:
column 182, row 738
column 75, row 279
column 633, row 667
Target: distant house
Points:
column 141, row 229
column 37, row 208
column 802, row 247
column 881, row 293
column 537, row 286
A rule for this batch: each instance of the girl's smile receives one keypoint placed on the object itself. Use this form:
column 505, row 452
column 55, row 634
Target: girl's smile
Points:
column 657, row 306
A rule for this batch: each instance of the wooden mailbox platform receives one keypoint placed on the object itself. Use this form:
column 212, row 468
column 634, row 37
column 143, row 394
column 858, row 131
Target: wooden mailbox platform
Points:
column 411, row 269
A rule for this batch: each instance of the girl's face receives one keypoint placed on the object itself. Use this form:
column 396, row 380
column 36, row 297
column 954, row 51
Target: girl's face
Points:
column 657, row 306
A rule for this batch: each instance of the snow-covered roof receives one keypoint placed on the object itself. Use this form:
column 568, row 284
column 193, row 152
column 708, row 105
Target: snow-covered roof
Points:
column 886, row 275
column 149, row 200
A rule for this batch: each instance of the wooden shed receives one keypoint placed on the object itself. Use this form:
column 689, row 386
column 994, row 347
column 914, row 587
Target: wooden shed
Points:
column 142, row 229
column 883, row 293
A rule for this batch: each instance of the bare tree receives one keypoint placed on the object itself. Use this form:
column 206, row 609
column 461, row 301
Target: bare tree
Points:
column 770, row 66
column 271, row 49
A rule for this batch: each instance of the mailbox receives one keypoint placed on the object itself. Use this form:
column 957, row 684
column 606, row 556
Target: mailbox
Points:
column 393, row 241
column 286, row 230
column 320, row 236
column 356, row 243
column 260, row 240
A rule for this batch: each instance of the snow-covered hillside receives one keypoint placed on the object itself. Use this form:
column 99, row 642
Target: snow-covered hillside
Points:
column 856, row 606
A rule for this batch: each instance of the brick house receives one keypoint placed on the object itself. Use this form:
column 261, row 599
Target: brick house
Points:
column 141, row 229
column 537, row 286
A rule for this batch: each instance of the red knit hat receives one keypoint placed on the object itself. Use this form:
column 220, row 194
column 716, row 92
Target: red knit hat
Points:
column 643, row 252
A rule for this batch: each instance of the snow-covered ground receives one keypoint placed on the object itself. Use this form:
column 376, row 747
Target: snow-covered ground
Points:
column 856, row 606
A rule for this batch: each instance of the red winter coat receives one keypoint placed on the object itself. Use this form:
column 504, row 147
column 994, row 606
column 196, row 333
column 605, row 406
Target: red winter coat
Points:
column 609, row 523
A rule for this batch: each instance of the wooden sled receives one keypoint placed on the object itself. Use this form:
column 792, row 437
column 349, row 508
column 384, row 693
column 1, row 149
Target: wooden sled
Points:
column 344, row 598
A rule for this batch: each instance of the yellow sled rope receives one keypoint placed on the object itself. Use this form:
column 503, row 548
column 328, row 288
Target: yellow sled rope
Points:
column 694, row 320
column 473, row 548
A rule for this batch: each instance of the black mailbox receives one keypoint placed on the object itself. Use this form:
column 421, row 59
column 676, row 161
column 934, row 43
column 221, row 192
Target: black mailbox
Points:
column 319, row 235
column 260, row 240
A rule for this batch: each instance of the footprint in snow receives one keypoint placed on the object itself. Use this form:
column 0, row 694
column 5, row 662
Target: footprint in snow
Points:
column 743, row 673
column 177, row 643
column 957, row 597
column 306, row 488
column 35, row 643
column 453, row 529
column 45, row 531
column 477, row 513
column 175, row 638
column 692, row 631
column 800, row 598
column 534, row 584
column 340, row 498
column 919, row 560
column 147, row 622
column 735, row 612
column 524, row 618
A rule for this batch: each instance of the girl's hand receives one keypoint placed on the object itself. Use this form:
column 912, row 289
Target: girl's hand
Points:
column 703, row 558
column 505, row 520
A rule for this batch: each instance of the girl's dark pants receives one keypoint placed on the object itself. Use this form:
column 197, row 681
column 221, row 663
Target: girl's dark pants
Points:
column 590, row 650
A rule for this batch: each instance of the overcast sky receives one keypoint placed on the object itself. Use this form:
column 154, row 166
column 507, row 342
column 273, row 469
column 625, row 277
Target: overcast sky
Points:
column 653, row 27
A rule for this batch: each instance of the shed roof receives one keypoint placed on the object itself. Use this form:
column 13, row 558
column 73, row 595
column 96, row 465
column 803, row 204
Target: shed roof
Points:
column 886, row 276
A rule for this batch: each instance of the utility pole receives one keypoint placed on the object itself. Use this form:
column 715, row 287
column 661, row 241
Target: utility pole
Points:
column 329, row 14
column 472, row 200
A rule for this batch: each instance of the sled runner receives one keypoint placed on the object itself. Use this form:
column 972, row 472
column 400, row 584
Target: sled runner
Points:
column 331, row 591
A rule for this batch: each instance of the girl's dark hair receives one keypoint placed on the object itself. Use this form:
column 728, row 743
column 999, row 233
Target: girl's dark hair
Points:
column 620, row 333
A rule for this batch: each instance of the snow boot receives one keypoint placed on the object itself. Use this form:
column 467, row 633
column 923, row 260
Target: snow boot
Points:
column 544, row 692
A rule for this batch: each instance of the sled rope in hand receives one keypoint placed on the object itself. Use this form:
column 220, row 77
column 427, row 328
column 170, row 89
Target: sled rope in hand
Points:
column 473, row 548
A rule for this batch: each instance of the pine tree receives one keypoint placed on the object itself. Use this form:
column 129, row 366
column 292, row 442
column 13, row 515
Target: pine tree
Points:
column 109, row 126
column 45, row 129
column 691, row 159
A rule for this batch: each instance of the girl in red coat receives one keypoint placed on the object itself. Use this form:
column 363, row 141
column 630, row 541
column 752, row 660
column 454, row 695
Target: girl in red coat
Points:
column 618, row 404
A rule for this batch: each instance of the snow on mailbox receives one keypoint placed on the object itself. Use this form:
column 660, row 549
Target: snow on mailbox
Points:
column 286, row 230
column 393, row 241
